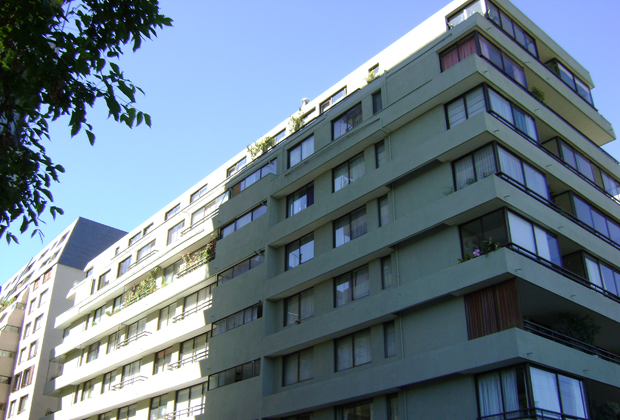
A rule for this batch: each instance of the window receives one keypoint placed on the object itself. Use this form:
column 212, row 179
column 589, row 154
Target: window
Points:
column 106, row 416
column 87, row 389
column 513, row 115
column 174, row 233
column 8, row 354
column 171, row 271
column 348, row 172
column 392, row 405
column 93, row 352
column 33, row 349
column 195, row 302
column 113, row 341
column 108, row 380
column 43, row 297
column 512, row 28
column 162, row 360
column 347, row 121
column 135, row 330
column 23, row 401
column 38, row 322
column 117, row 250
column 596, row 272
column 300, row 251
column 241, row 267
column 235, row 168
column 195, row 196
column 35, row 284
column 389, row 339
column 123, row 266
column 269, row 168
column 387, row 278
column 118, row 303
column 492, row 159
column 104, row 281
column 351, row 286
column 166, row 316
column 570, row 80
column 349, row 227
column 380, row 154
column 17, row 381
column 33, row 303
column 27, row 376
column 611, row 185
column 147, row 229
column 458, row 53
column 194, row 349
column 353, row 350
column 158, row 408
column 190, row 401
column 203, row 213
column 357, row 411
column 301, row 151
column 236, row 374
column 297, row 367
column 299, row 307
column 173, row 211
column 334, row 99
column 501, row 60
column 377, row 103
column 244, row 220
column 279, row 137
column 553, row 395
column 135, row 238
column 384, row 212
column 470, row 10
column 27, row 330
column 47, row 276
column 11, row 408
column 145, row 251
column 131, row 372
column 237, row 319
column 575, row 159
column 22, row 355
column 300, row 200
column 96, row 316
column 587, row 214
column 465, row 107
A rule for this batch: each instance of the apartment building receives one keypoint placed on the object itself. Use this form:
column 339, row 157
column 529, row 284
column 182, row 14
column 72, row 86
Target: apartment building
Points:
column 29, row 303
column 435, row 236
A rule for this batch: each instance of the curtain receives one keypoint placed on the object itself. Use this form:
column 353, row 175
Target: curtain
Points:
column 583, row 211
column 594, row 272
column 609, row 280
column 536, row 181
column 489, row 394
column 456, row 112
column 501, row 106
column 514, row 70
column 294, row 156
column 343, row 290
column 290, row 369
column 467, row 48
column 510, row 391
column 292, row 309
column 484, row 160
column 572, row 396
column 386, row 273
column 182, row 401
column 361, row 283
column 547, row 246
column 475, row 102
column 611, row 185
column 361, row 347
column 511, row 165
column 344, row 353
column 305, row 364
column 545, row 390
column 342, row 231
column 521, row 232
column 449, row 59
column 507, row 24
column 307, row 147
column 491, row 52
column 464, row 172
column 356, row 168
column 307, row 304
column 390, row 339
column 358, row 223
column 530, row 127
column 341, row 177
column 190, row 302
column 307, row 248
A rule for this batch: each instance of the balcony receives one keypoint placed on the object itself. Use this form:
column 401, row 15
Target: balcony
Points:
column 186, row 412
column 129, row 382
column 531, row 414
column 132, row 339
column 194, row 358
column 205, row 305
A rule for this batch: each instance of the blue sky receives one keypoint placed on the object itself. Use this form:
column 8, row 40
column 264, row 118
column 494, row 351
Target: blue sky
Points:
column 227, row 72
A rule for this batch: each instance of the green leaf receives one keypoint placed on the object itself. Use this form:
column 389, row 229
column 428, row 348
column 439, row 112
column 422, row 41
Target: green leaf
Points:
column 147, row 119
column 91, row 137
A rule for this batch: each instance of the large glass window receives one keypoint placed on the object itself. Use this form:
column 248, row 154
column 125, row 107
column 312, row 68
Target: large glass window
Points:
column 237, row 319
column 241, row 267
column 190, row 402
column 351, row 286
column 348, row 172
column 195, row 196
column 236, row 374
column 235, row 168
column 158, row 408
column 297, row 367
column 300, row 251
column 301, row 151
column 512, row 28
column 145, row 251
column 333, row 100
column 353, row 350
column 465, row 107
column 173, row 211
column 349, row 227
column 162, row 360
column 175, row 232
column 469, row 10
column 194, row 349
column 512, row 115
column 203, row 213
column 300, row 200
column 243, row 220
column 269, row 168
column 347, row 121
column 570, row 80
column 299, row 307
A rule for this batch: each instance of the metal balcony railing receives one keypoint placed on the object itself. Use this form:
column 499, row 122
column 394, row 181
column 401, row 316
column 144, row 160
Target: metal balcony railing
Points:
column 132, row 339
column 205, row 305
column 128, row 382
column 531, row 414
column 196, row 357
column 186, row 412
column 570, row 342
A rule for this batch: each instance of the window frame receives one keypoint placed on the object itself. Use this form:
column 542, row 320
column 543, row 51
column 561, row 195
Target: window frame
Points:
column 353, row 352
column 298, row 242
column 199, row 193
column 309, row 196
column 174, row 233
column 299, row 296
column 330, row 102
column 348, row 165
column 351, row 118
column 170, row 213
column 350, row 280
column 301, row 146
column 298, row 366
column 223, row 230
column 232, row 170
column 349, row 217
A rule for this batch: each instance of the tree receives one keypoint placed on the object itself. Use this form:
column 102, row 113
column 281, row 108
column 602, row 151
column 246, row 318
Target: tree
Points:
column 56, row 58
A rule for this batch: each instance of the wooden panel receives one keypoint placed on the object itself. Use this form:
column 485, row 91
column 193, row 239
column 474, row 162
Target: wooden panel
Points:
column 493, row 309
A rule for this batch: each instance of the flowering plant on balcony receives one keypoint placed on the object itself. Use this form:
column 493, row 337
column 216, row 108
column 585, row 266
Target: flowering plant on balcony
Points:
column 193, row 260
column 487, row 247
column 5, row 303
column 142, row 289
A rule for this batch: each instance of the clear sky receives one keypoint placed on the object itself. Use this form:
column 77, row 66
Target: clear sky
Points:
column 229, row 71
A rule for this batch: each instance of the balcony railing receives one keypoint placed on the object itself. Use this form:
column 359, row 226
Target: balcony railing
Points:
column 530, row 414
column 186, row 412
column 132, row 339
column 128, row 382
column 205, row 305
column 566, row 273
column 196, row 357
column 570, row 342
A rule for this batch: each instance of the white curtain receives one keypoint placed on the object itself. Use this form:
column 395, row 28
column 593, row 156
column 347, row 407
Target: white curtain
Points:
column 307, row 147
column 475, row 102
column 572, row 396
column 307, row 248
column 511, row 166
column 344, row 353
column 456, row 112
column 290, row 369
column 490, row 394
column 305, row 364
column 501, row 106
column 536, row 181
column 341, row 177
column 510, row 391
column 358, row 223
column 464, row 172
column 343, row 290
column 362, row 347
column 484, row 160
column 307, row 304
column 342, row 231
column 521, row 232
column 545, row 390
column 356, row 168
column 594, row 273
column 361, row 283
